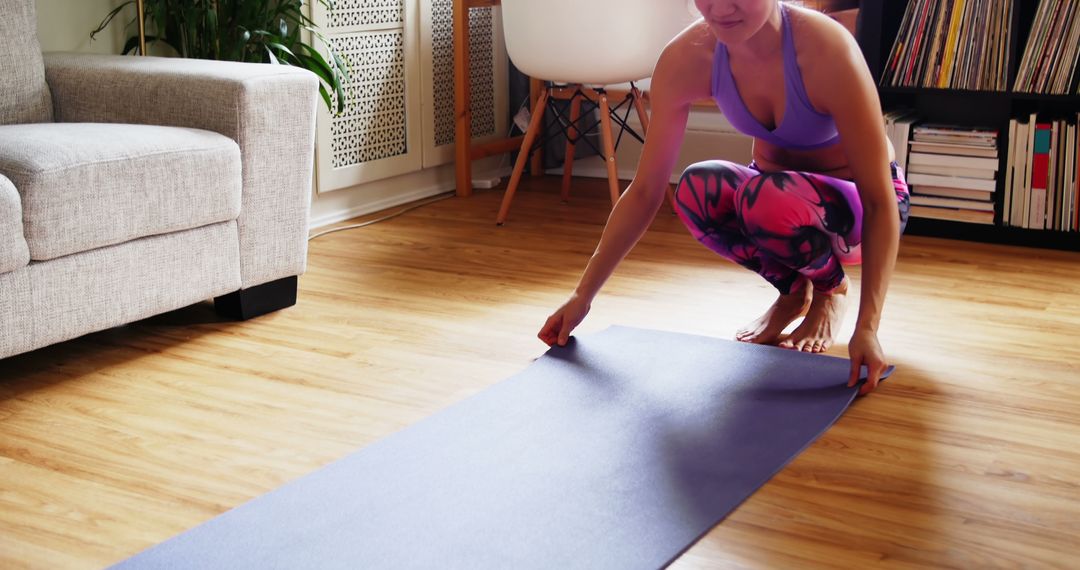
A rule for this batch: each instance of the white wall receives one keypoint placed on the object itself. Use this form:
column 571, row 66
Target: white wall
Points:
column 65, row 25
column 339, row 205
column 708, row 136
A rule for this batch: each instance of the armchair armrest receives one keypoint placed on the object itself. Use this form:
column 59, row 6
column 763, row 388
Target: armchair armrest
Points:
column 269, row 110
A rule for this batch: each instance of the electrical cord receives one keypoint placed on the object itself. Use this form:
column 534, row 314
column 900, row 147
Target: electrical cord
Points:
column 446, row 196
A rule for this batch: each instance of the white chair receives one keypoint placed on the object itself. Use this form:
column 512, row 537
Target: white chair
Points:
column 578, row 47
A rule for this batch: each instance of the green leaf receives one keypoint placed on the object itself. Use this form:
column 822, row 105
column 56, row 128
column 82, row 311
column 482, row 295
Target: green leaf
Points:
column 280, row 47
column 326, row 98
column 109, row 18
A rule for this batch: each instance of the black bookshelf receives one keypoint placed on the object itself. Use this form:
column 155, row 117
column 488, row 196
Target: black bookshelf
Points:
column 879, row 22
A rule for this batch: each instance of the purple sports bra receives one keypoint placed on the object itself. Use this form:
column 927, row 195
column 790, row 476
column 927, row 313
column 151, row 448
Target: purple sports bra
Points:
column 802, row 127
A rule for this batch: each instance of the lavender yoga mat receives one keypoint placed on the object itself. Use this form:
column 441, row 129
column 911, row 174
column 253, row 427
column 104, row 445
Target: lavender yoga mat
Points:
column 617, row 451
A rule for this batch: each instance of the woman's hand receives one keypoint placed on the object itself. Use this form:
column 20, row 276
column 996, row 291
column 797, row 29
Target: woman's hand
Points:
column 562, row 322
column 865, row 349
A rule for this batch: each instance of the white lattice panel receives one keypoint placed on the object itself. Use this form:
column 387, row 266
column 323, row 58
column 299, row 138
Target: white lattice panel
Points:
column 481, row 72
column 379, row 134
column 487, row 77
column 358, row 13
column 374, row 124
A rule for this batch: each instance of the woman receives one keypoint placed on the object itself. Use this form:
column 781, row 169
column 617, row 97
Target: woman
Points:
column 823, row 188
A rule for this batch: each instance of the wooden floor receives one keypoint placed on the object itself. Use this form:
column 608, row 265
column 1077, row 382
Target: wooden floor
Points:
column 969, row 457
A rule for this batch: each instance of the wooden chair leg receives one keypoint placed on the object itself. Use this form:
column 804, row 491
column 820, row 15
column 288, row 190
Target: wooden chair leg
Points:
column 571, row 134
column 537, row 166
column 643, row 118
column 609, row 148
column 523, row 155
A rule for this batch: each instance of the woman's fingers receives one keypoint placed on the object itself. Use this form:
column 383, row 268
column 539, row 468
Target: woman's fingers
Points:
column 564, row 332
column 856, row 364
column 550, row 331
column 873, row 377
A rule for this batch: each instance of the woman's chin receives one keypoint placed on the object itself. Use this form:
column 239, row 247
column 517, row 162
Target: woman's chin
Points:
column 727, row 35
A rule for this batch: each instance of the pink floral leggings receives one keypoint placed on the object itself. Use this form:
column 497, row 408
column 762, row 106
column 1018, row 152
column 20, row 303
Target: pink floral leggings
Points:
column 779, row 224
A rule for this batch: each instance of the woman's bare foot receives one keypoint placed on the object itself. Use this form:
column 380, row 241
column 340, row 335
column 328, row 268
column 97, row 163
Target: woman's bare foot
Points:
column 815, row 333
column 767, row 328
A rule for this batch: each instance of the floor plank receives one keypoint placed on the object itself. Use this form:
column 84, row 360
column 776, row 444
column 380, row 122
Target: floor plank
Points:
column 968, row 457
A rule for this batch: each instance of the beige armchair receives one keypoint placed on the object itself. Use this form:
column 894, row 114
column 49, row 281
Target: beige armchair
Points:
column 132, row 186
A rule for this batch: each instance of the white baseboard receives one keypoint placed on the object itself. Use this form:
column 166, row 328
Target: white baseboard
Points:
column 585, row 170
column 369, row 207
column 377, row 205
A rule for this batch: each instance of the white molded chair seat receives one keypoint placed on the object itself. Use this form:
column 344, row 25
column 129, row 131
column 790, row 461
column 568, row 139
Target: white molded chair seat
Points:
column 591, row 44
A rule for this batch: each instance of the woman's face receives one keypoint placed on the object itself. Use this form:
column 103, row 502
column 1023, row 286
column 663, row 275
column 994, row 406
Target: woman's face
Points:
column 735, row 21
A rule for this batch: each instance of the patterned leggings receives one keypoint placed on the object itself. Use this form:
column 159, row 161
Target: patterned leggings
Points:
column 779, row 224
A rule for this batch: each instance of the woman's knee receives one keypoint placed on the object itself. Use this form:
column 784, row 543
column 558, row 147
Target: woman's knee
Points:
column 704, row 200
column 710, row 176
column 782, row 203
column 761, row 201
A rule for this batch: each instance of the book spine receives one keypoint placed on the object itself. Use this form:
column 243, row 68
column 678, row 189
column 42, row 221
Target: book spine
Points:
column 1076, row 178
column 1032, row 49
column 1029, row 161
column 1019, row 160
column 951, row 44
column 899, row 44
column 1040, row 173
column 1006, row 210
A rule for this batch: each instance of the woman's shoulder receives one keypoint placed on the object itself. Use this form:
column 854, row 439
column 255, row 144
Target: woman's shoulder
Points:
column 825, row 49
column 691, row 47
column 817, row 33
column 685, row 64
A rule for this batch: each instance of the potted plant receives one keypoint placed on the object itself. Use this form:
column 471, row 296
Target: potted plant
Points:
column 257, row 31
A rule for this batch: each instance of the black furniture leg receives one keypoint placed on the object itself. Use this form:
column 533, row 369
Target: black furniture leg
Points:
column 258, row 300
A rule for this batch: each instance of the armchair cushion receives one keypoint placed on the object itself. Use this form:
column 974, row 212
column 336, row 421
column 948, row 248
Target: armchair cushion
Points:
column 269, row 110
column 13, row 251
column 89, row 185
column 24, row 95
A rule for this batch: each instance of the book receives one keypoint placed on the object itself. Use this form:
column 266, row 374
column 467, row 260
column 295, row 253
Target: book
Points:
column 1076, row 175
column 1010, row 166
column 1040, row 175
column 959, row 204
column 953, row 148
column 951, row 44
column 956, row 215
column 951, row 182
column 946, row 192
column 1049, row 63
column 898, row 124
column 1051, row 177
column 922, row 158
column 1028, row 160
column 981, row 136
column 982, row 173
column 1023, row 173
column 1018, row 146
column 1068, row 180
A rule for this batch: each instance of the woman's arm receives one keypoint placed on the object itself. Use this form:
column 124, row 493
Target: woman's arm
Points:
column 678, row 80
column 847, row 92
column 638, row 205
